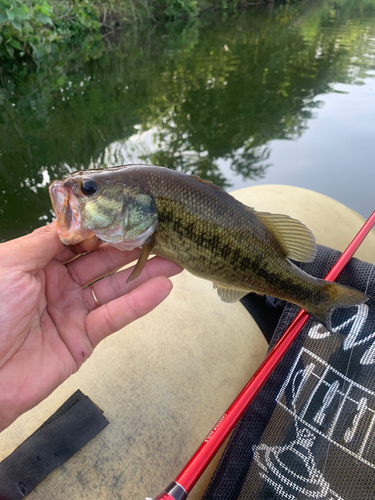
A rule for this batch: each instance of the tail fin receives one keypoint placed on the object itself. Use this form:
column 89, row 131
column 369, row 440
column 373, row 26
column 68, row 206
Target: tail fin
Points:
column 337, row 296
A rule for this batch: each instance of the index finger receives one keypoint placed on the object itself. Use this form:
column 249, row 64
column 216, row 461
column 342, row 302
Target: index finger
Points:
column 104, row 260
column 71, row 252
column 111, row 317
column 33, row 251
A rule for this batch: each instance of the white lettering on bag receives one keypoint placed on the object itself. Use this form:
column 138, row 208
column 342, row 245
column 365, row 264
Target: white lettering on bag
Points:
column 352, row 340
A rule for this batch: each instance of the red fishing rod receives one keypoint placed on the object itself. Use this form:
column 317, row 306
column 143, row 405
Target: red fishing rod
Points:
column 184, row 482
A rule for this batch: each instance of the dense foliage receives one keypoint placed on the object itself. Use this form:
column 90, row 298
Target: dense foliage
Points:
column 36, row 28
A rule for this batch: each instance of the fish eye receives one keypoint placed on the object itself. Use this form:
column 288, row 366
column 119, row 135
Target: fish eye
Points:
column 89, row 187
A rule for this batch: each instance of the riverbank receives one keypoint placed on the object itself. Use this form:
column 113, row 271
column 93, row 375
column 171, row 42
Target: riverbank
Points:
column 33, row 29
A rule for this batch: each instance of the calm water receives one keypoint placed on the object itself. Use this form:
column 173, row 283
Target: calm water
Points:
column 282, row 94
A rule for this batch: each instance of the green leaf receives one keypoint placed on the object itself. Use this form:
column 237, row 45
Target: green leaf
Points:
column 10, row 50
column 60, row 81
column 16, row 24
column 21, row 13
column 42, row 18
column 3, row 18
column 43, row 50
column 27, row 28
column 15, row 43
column 54, row 47
column 10, row 14
column 37, row 52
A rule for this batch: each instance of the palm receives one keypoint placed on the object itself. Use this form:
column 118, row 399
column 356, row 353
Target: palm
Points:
column 50, row 324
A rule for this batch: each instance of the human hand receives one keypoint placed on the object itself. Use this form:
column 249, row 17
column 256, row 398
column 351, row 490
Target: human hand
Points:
column 49, row 321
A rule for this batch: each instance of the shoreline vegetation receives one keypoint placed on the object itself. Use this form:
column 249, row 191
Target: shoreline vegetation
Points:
column 33, row 29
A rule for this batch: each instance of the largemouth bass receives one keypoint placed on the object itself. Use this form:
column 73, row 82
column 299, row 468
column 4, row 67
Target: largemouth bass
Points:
column 201, row 227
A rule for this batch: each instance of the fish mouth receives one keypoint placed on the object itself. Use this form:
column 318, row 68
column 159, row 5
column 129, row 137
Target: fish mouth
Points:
column 66, row 206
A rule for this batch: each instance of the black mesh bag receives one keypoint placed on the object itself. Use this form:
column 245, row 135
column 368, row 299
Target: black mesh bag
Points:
column 310, row 432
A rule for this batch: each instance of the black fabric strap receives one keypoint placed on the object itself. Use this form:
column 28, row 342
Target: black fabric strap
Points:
column 72, row 426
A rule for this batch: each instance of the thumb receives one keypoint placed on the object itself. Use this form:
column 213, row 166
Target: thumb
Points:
column 33, row 251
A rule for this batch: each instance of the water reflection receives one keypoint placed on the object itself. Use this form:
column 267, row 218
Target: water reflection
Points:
column 216, row 93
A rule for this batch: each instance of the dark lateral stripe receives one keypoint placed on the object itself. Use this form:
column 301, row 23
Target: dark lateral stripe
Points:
column 72, row 426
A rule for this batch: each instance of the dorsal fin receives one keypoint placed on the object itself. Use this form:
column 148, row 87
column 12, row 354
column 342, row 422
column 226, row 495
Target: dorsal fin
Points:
column 297, row 240
column 208, row 183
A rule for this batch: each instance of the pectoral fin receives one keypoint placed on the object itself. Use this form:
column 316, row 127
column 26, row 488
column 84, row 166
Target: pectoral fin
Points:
column 145, row 252
column 229, row 294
